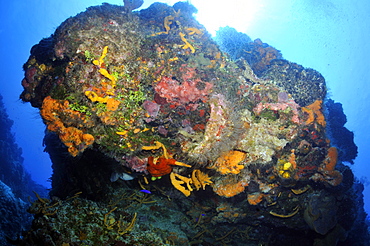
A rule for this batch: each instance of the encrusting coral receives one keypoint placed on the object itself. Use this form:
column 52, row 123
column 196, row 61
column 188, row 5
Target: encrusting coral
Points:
column 229, row 188
column 326, row 172
column 230, row 162
column 76, row 140
column 331, row 159
column 184, row 92
column 255, row 198
column 221, row 131
column 314, row 112
column 280, row 106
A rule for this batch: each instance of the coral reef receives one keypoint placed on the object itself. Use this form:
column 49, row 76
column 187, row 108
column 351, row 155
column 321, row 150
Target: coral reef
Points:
column 148, row 97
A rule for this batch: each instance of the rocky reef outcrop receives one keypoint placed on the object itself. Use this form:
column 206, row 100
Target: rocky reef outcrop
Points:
column 158, row 137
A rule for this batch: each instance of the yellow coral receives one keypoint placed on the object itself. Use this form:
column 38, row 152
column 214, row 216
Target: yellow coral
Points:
column 158, row 145
column 167, row 22
column 229, row 162
column 112, row 104
column 193, row 30
column 187, row 45
column 178, row 181
column 105, row 73
column 95, row 98
column 195, row 180
column 200, row 179
column 185, row 185
column 301, row 190
column 122, row 133
column 285, row 169
column 100, row 61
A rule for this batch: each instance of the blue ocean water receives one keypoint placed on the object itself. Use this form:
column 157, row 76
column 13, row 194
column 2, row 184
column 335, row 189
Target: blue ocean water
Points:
column 329, row 36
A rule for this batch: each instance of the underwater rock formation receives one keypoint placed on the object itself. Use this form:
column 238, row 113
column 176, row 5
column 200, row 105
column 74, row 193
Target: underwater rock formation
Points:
column 339, row 135
column 320, row 213
column 304, row 84
column 200, row 138
column 14, row 216
column 232, row 42
column 16, row 185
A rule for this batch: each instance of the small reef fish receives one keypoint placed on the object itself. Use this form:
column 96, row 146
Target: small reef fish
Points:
column 124, row 176
column 146, row 191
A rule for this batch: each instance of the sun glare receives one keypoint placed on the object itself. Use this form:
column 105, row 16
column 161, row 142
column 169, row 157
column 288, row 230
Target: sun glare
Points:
column 219, row 13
